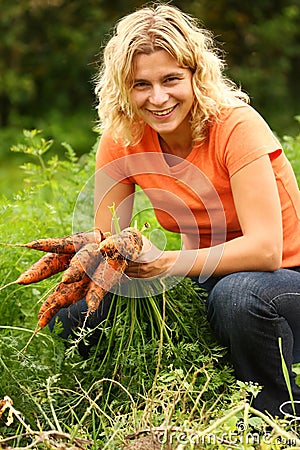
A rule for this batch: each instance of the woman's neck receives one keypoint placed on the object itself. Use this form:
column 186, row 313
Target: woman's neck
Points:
column 178, row 147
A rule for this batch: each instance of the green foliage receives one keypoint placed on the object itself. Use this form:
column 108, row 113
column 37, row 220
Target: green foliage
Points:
column 50, row 50
column 46, row 45
column 131, row 348
column 291, row 146
column 157, row 369
column 261, row 42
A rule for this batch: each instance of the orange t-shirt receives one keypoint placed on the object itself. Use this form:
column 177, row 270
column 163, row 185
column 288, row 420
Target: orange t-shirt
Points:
column 193, row 196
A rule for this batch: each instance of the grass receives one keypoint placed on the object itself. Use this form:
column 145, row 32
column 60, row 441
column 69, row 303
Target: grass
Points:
column 157, row 378
column 10, row 177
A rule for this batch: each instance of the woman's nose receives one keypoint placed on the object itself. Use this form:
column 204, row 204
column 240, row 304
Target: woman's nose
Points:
column 158, row 95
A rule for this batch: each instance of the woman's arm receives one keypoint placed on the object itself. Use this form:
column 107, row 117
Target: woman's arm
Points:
column 259, row 248
column 107, row 193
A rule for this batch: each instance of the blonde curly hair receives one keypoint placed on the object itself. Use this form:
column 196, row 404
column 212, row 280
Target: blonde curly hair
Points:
column 161, row 27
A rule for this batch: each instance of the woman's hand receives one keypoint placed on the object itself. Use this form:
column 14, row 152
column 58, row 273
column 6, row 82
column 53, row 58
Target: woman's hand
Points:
column 151, row 263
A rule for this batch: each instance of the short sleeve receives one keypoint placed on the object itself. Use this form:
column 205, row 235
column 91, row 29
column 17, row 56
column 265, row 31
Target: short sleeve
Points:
column 244, row 137
column 111, row 158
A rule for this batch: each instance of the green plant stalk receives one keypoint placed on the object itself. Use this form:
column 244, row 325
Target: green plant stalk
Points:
column 286, row 375
column 56, row 421
column 199, row 396
column 110, row 340
column 39, row 406
column 135, row 328
column 8, row 274
column 132, row 321
column 43, row 166
column 160, row 319
column 93, row 403
column 246, row 421
column 6, row 369
column 115, row 219
column 138, row 326
column 120, row 350
column 214, row 426
column 160, row 346
column 146, row 311
column 213, row 407
column 171, row 306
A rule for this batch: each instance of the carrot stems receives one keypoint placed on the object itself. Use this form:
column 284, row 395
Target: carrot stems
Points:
column 115, row 219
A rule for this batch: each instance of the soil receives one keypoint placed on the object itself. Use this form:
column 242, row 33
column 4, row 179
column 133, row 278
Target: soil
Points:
column 143, row 443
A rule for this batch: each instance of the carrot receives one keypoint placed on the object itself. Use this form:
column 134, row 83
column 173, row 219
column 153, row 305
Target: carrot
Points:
column 67, row 244
column 107, row 274
column 48, row 265
column 116, row 249
column 63, row 296
column 84, row 261
column 124, row 245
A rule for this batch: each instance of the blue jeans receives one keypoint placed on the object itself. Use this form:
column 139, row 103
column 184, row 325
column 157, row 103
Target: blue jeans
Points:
column 249, row 312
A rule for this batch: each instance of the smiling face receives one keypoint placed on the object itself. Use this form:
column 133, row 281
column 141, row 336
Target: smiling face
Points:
column 162, row 93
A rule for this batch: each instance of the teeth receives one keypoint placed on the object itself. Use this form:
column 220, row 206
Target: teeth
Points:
column 163, row 113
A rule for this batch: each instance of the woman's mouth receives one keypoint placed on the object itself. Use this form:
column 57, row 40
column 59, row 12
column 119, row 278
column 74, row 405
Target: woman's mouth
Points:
column 163, row 112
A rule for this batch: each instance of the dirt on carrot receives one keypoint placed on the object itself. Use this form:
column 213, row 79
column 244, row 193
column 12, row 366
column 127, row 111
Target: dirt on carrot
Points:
column 83, row 262
column 47, row 266
column 108, row 273
column 63, row 296
column 67, row 244
column 124, row 245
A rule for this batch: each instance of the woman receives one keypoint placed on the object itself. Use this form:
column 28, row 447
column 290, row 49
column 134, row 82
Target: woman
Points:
column 174, row 125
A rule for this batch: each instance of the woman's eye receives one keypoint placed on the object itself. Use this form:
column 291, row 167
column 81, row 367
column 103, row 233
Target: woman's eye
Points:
column 172, row 80
column 140, row 84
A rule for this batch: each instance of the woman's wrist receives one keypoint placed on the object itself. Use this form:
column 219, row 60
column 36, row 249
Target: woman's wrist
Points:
column 174, row 263
column 183, row 262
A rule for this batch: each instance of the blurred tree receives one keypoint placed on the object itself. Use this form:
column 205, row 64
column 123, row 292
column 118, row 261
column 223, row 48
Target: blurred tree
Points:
column 45, row 52
column 16, row 86
column 261, row 42
column 48, row 49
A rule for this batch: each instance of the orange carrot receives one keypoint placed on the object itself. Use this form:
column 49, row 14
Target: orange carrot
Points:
column 108, row 273
column 95, row 268
column 48, row 265
column 67, row 244
column 63, row 296
column 84, row 261
column 124, row 245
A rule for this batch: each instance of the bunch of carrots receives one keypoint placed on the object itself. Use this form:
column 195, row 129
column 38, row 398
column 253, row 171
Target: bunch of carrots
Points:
column 93, row 262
